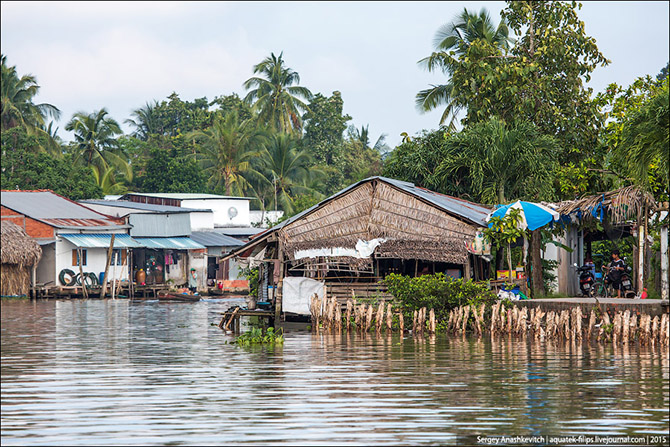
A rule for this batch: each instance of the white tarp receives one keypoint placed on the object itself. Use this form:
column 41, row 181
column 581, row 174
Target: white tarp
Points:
column 364, row 249
column 297, row 292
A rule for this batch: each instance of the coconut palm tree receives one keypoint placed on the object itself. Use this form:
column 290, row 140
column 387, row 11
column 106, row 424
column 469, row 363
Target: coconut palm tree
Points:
column 95, row 142
column 456, row 37
column 227, row 148
column 18, row 108
column 144, row 121
column 275, row 97
column 287, row 171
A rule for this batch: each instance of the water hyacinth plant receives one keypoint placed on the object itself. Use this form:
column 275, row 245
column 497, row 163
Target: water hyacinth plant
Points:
column 256, row 337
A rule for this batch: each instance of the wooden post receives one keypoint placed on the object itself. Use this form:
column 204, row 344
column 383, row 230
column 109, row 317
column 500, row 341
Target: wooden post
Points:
column 350, row 305
column 103, row 291
column 401, row 323
column 641, row 236
column 279, row 291
column 81, row 273
column 664, row 260
column 114, row 258
column 432, row 323
column 389, row 317
column 33, row 280
column 380, row 317
column 232, row 317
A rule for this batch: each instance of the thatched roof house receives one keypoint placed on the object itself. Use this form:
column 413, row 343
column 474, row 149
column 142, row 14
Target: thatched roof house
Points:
column 374, row 227
column 19, row 254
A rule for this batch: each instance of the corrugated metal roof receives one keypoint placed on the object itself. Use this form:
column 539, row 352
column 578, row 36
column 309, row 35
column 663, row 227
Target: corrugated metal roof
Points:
column 184, row 196
column 159, row 225
column 214, row 239
column 144, row 206
column 175, row 243
column 474, row 212
column 101, row 240
column 55, row 210
column 238, row 231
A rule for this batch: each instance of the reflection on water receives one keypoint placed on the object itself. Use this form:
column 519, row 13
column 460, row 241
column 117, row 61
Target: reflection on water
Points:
column 119, row 372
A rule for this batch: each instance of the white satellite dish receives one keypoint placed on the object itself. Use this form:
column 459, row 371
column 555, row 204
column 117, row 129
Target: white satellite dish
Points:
column 232, row 212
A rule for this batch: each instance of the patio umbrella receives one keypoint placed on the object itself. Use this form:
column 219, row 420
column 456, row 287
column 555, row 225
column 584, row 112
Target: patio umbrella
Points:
column 533, row 215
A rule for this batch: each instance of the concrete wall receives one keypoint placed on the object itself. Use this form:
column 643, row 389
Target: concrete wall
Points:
column 202, row 221
column 568, row 281
column 220, row 207
column 197, row 259
column 46, row 268
column 96, row 259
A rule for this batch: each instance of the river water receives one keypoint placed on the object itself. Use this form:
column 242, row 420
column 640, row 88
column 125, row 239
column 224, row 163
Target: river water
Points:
column 100, row 372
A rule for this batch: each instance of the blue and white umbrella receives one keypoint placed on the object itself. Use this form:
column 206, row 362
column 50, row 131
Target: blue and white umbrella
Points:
column 533, row 215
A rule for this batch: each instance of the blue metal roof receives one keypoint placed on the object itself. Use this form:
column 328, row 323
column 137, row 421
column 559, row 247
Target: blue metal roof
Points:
column 175, row 243
column 100, row 240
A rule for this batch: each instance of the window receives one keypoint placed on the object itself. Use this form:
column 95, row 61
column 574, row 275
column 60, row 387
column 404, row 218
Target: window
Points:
column 75, row 257
column 118, row 257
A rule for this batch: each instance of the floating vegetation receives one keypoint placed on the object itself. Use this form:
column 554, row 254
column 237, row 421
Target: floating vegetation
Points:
column 256, row 337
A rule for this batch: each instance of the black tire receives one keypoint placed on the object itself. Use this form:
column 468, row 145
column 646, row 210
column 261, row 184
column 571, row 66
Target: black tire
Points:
column 94, row 279
column 87, row 279
column 62, row 279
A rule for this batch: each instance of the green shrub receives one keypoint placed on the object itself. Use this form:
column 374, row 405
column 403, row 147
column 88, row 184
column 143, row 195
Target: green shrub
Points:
column 439, row 292
column 252, row 276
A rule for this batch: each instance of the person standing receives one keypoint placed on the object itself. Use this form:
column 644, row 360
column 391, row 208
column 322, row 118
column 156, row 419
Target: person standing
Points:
column 193, row 281
column 617, row 267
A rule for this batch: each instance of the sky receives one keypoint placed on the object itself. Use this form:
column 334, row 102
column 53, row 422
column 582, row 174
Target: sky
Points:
column 121, row 55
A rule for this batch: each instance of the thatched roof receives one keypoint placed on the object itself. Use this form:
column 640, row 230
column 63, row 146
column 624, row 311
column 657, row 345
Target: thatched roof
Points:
column 621, row 205
column 17, row 247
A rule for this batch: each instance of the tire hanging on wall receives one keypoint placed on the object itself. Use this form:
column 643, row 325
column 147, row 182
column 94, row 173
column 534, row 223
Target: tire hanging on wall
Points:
column 70, row 274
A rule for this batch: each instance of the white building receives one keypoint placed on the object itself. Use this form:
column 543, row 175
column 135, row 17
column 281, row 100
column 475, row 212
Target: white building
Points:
column 227, row 211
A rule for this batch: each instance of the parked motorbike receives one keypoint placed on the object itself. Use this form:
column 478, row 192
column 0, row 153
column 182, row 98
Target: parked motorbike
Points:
column 627, row 289
column 586, row 280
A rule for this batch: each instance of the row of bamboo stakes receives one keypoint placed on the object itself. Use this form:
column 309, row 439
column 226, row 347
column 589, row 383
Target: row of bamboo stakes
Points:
column 327, row 315
column 624, row 327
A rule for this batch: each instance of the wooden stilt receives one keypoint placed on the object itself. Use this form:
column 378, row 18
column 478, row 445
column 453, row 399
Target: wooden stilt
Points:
column 401, row 323
column 389, row 317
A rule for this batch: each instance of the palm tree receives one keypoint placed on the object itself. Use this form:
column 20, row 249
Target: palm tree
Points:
column 645, row 139
column 95, row 142
column 106, row 180
column 287, row 171
column 144, row 121
column 501, row 162
column 457, row 37
column 275, row 97
column 18, row 108
column 228, row 147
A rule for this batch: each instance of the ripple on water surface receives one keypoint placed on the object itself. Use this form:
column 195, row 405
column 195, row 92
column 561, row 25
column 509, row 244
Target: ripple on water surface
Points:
column 115, row 372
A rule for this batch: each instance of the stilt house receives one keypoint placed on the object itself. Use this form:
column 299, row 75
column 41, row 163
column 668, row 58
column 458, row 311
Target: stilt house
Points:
column 356, row 237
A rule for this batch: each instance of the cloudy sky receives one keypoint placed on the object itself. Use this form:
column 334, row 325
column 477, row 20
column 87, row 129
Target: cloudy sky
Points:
column 119, row 55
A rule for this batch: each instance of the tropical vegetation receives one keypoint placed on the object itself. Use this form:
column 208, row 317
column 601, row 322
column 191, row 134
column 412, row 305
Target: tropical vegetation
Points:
column 518, row 121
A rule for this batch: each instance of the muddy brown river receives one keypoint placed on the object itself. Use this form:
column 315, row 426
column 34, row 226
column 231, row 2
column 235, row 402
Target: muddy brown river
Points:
column 101, row 372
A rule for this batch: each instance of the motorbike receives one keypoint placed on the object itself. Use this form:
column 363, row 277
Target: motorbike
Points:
column 626, row 284
column 627, row 289
column 586, row 280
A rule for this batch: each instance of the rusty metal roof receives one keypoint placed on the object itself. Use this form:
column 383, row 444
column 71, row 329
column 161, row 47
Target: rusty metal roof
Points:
column 57, row 211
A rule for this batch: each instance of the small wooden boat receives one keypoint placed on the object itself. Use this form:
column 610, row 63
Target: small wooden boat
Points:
column 175, row 296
